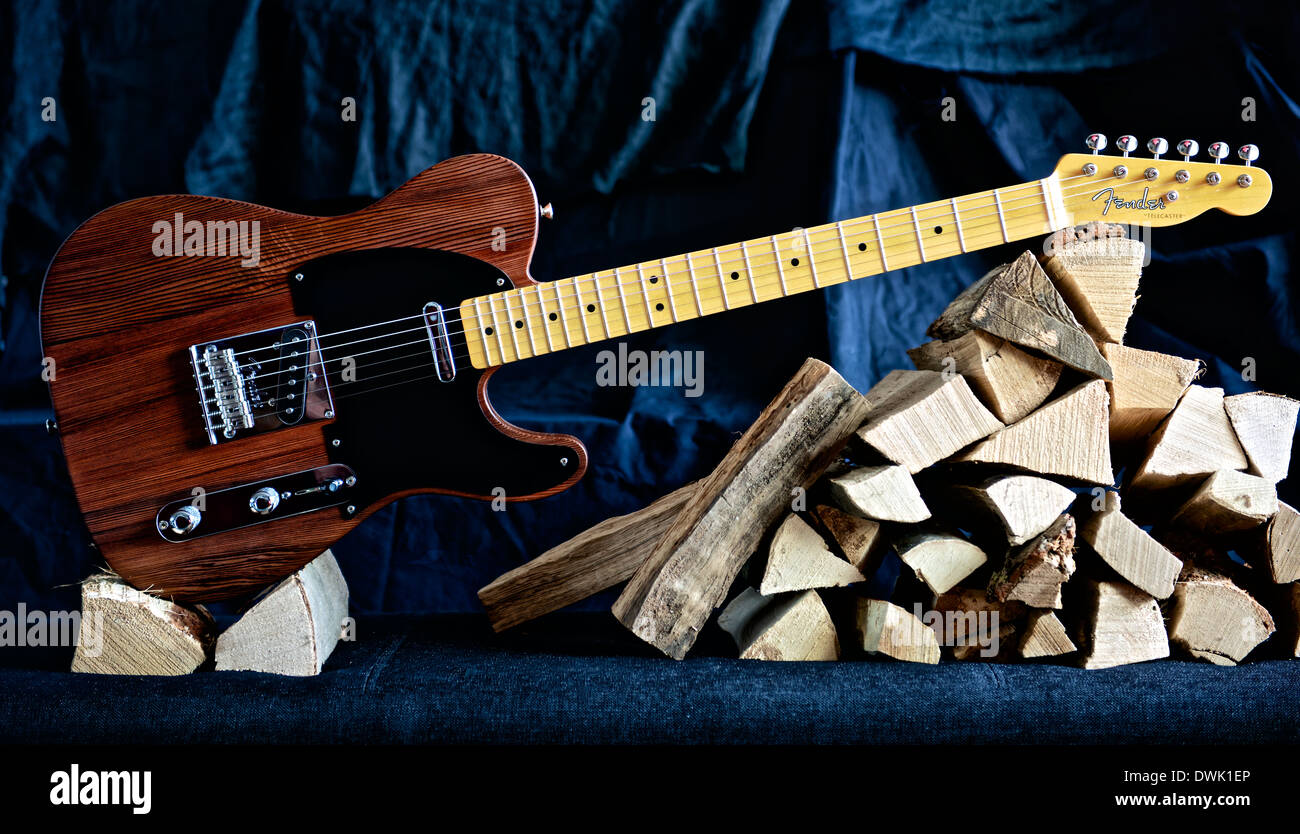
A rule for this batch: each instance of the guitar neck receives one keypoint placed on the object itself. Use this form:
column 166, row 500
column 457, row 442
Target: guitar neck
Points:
column 532, row 321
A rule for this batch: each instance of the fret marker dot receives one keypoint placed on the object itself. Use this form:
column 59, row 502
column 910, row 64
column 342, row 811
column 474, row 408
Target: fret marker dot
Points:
column 862, row 247
column 659, row 307
column 591, row 308
column 487, row 331
column 654, row 279
column 519, row 324
column 938, row 230
column 735, row 275
column 794, row 262
column 552, row 317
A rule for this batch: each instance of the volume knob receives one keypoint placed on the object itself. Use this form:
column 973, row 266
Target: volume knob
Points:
column 183, row 521
column 264, row 501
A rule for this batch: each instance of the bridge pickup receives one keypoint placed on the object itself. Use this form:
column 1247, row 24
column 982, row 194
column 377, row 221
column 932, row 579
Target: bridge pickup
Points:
column 440, row 341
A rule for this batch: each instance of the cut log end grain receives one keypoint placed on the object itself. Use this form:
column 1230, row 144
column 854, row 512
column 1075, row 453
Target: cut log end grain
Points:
column 1213, row 619
column 789, row 627
column 1021, row 505
column 939, row 559
column 859, row 540
column 1098, row 279
column 1044, row 635
column 1282, row 545
column 920, row 417
column 973, row 626
column 1146, row 387
column 1121, row 625
column 1034, row 573
column 1265, row 426
column 888, row 629
column 1069, row 437
column 293, row 628
column 1293, row 614
column 798, row 559
column 1019, row 303
column 880, row 493
column 1009, row 381
column 1130, row 550
column 1195, row 441
column 124, row 631
column 1228, row 502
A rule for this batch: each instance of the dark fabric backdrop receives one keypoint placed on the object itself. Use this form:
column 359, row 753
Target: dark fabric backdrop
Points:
column 768, row 115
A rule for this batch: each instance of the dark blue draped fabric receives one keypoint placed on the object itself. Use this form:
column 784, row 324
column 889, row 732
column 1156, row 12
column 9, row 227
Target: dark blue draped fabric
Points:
column 767, row 115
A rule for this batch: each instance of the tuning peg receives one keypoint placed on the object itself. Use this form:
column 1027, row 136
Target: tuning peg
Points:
column 1188, row 148
column 1218, row 150
column 1248, row 153
column 1096, row 142
column 1126, row 143
column 1157, row 147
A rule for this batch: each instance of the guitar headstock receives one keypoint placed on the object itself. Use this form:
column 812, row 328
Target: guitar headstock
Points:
column 1157, row 191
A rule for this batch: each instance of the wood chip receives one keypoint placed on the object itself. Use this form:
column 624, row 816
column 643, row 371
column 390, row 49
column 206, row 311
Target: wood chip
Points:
column 1044, row 636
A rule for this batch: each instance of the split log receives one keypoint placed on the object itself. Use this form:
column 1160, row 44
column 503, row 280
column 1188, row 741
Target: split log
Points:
column 1282, row 545
column 1044, row 636
column 789, row 627
column 124, row 631
column 1265, row 426
column 1193, row 442
column 859, row 540
column 880, row 493
column 1228, row 502
column 1019, row 303
column 1008, row 380
column 798, row 560
column 887, row 629
column 999, row 647
column 939, row 559
column 1122, row 625
column 1215, row 620
column 1034, row 573
column 1293, row 609
column 590, row 562
column 1146, row 387
column 1021, row 505
column 686, row 576
column 1069, row 436
column 921, row 417
column 1099, row 280
column 1128, row 549
column 971, row 625
column 293, row 628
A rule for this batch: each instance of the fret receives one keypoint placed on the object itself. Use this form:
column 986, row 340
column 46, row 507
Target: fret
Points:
column 645, row 293
column 478, row 320
column 600, row 304
column 956, row 221
column 622, row 299
column 514, row 337
column 668, row 287
column 722, row 279
column 812, row 260
column 496, row 328
column 564, row 321
column 844, row 247
column 1002, row 220
column 582, row 312
column 546, row 322
column 1055, row 208
column 749, row 271
column 780, row 272
column 695, row 288
column 920, row 243
column 528, row 322
column 880, row 243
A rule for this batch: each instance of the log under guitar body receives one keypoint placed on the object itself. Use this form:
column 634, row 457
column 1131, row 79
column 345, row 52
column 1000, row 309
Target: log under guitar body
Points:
column 120, row 320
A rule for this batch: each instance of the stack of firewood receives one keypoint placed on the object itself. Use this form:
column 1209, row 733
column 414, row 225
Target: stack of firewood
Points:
column 971, row 507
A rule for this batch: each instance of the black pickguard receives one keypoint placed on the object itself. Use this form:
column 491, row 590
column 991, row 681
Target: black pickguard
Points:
column 396, row 431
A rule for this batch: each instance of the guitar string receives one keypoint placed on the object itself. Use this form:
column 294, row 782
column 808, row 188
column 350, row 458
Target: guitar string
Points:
column 761, row 273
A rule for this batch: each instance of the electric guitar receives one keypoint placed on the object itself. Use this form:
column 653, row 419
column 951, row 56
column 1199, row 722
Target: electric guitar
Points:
column 237, row 387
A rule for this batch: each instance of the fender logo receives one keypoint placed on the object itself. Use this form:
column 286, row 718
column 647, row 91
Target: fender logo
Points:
column 1143, row 204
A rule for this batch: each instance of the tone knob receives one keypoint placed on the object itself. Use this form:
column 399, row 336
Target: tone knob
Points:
column 1218, row 150
column 1188, row 148
column 1126, row 143
column 547, row 211
column 264, row 501
column 1248, row 153
column 1096, row 142
column 183, row 521
column 1157, row 147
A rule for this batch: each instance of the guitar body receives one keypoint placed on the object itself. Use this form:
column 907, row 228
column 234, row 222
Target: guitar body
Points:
column 119, row 319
